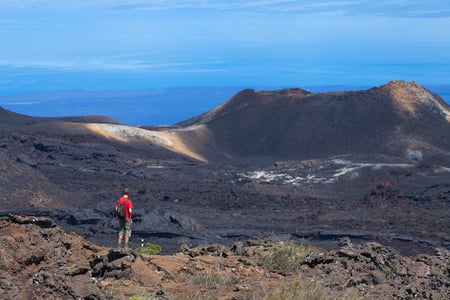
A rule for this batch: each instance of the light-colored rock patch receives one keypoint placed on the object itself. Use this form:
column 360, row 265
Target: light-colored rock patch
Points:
column 169, row 139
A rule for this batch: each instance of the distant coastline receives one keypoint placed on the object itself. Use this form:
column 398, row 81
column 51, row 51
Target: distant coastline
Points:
column 147, row 107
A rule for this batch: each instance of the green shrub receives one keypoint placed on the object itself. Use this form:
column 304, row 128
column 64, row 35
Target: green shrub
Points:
column 150, row 248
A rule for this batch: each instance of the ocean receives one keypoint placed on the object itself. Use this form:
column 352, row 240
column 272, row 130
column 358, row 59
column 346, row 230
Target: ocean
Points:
column 153, row 107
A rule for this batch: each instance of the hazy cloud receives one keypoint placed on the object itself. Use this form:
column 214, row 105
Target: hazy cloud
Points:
column 115, row 64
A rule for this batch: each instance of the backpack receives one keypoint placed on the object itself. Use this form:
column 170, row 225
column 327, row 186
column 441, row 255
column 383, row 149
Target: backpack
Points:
column 121, row 210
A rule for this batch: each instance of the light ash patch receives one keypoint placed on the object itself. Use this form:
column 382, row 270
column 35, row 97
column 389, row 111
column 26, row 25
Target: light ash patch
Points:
column 125, row 131
column 427, row 98
column 326, row 173
column 350, row 167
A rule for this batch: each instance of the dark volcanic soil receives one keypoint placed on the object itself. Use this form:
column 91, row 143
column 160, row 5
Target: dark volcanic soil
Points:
column 74, row 170
column 402, row 204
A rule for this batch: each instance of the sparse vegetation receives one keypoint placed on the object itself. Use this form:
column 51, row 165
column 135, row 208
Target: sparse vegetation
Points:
column 150, row 248
column 206, row 295
column 212, row 278
column 303, row 289
column 299, row 291
column 152, row 296
column 283, row 257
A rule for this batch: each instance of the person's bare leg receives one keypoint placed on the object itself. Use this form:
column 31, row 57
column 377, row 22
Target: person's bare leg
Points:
column 120, row 240
column 126, row 241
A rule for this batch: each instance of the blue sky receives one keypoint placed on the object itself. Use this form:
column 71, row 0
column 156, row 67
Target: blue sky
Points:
column 51, row 45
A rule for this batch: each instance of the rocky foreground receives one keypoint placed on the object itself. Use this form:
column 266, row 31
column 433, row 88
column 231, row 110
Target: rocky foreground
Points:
column 39, row 260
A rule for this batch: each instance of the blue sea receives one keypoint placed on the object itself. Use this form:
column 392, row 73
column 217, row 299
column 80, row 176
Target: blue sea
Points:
column 147, row 107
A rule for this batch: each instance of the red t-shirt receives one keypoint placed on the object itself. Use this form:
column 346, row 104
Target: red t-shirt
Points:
column 128, row 206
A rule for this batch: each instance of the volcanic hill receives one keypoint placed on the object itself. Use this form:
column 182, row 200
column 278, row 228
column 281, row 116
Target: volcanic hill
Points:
column 395, row 119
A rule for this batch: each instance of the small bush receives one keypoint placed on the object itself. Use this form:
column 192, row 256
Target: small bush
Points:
column 303, row 290
column 151, row 296
column 298, row 291
column 283, row 257
column 137, row 297
column 212, row 278
column 150, row 248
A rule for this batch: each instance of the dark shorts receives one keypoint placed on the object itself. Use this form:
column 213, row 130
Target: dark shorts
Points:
column 125, row 227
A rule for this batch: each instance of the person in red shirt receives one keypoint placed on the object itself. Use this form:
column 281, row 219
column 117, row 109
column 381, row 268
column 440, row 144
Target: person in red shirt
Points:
column 125, row 223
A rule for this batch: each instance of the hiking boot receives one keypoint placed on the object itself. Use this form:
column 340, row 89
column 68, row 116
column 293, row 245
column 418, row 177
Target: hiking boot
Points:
column 126, row 246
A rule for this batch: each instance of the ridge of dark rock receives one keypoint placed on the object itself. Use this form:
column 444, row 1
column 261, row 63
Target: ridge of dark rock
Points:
column 11, row 118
